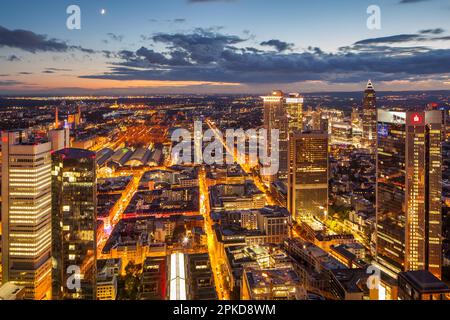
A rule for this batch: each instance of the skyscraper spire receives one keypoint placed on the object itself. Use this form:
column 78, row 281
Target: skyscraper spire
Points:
column 370, row 85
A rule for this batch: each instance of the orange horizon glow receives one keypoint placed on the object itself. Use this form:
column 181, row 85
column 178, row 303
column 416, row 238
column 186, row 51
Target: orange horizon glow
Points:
column 67, row 82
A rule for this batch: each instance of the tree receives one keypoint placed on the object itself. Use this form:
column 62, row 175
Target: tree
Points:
column 129, row 284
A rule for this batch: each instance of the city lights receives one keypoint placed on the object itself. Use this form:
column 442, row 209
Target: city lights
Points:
column 209, row 159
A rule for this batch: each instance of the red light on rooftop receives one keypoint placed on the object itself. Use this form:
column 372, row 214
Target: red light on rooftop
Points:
column 416, row 118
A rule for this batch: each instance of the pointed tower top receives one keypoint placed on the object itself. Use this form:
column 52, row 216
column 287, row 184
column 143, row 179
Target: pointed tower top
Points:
column 370, row 85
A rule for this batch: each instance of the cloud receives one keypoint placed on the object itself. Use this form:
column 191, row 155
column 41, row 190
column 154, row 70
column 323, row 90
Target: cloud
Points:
column 391, row 39
column 176, row 20
column 202, row 46
column 109, row 54
column 215, row 57
column 277, row 44
column 58, row 69
column 13, row 57
column 206, row 1
column 432, row 31
column 115, row 37
column 422, row 36
column 32, row 42
column 29, row 41
column 147, row 57
column 84, row 50
column 55, row 70
column 315, row 50
column 7, row 83
column 412, row 1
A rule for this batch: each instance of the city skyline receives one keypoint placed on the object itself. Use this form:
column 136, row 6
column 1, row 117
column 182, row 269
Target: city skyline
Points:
column 219, row 151
column 99, row 202
column 186, row 46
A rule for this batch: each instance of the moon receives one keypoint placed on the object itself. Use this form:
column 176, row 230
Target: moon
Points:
column 103, row 12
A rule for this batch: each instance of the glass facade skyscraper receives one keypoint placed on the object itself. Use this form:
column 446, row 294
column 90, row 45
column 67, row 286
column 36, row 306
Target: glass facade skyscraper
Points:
column 284, row 113
column 74, row 246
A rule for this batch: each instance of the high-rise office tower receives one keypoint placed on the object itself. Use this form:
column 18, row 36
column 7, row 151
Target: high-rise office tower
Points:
column 294, row 109
column 26, row 213
column 445, row 119
column 369, row 119
column 74, row 246
column 409, row 189
column 275, row 118
column 308, row 176
column 285, row 114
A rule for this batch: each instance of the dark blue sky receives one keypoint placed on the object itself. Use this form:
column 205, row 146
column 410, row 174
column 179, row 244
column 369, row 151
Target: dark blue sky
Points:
column 223, row 46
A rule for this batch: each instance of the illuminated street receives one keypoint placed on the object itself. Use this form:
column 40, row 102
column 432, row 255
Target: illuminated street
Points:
column 118, row 209
column 245, row 166
column 221, row 287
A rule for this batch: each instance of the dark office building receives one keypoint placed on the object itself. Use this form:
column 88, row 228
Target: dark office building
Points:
column 200, row 278
column 74, row 217
column 421, row 285
column 154, row 279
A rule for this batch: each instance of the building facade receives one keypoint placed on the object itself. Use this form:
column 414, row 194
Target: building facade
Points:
column 26, row 213
column 200, row 279
column 409, row 189
column 341, row 134
column 74, row 243
column 357, row 127
column 369, row 119
column 284, row 113
column 308, row 176
column 154, row 279
column 421, row 285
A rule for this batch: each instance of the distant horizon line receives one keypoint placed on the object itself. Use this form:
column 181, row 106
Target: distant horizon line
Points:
column 113, row 95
